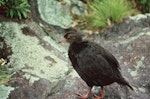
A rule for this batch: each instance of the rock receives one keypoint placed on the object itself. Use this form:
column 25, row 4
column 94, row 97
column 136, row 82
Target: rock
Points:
column 53, row 12
column 40, row 89
column 5, row 91
column 58, row 12
column 46, row 87
column 139, row 17
column 37, row 56
column 77, row 7
column 128, row 26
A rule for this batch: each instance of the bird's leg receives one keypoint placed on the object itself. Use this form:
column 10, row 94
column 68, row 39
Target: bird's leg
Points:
column 101, row 94
column 86, row 95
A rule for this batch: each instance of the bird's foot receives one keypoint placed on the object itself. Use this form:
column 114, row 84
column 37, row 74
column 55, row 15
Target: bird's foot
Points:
column 98, row 97
column 81, row 96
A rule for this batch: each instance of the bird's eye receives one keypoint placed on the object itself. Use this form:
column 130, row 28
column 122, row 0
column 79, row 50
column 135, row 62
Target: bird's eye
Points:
column 69, row 36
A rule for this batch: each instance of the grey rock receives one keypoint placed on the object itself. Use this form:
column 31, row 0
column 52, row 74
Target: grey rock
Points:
column 5, row 91
column 37, row 56
column 59, row 12
column 53, row 12
column 40, row 89
column 128, row 26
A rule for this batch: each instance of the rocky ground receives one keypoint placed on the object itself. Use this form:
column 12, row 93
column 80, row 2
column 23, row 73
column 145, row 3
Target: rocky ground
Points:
column 40, row 66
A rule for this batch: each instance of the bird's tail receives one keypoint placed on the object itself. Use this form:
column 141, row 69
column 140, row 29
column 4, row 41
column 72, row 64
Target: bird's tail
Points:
column 123, row 82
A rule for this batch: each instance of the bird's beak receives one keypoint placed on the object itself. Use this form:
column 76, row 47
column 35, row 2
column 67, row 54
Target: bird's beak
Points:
column 62, row 40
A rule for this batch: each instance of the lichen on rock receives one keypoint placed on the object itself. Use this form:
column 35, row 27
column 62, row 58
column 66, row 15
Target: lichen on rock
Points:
column 32, row 58
column 54, row 13
column 4, row 91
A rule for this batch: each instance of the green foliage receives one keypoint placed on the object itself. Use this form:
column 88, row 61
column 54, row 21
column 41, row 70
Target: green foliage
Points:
column 145, row 6
column 105, row 12
column 2, row 2
column 16, row 8
column 4, row 76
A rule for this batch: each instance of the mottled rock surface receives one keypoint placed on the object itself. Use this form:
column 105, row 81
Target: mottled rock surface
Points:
column 58, row 12
column 34, row 54
column 5, row 91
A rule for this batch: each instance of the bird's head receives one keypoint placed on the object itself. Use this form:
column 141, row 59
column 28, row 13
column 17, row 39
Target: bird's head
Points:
column 72, row 37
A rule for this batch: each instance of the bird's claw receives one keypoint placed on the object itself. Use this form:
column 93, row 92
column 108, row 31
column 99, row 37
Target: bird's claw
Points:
column 98, row 97
column 81, row 96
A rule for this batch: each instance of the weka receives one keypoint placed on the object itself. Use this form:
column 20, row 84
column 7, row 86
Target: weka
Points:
column 94, row 64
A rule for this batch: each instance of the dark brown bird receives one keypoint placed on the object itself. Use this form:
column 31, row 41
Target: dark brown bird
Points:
column 94, row 64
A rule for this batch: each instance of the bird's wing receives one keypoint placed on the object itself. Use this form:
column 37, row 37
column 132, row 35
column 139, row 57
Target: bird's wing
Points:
column 111, row 59
column 95, row 63
column 92, row 64
column 106, row 54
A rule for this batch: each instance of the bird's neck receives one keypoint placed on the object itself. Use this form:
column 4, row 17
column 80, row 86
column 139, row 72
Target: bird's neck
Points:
column 77, row 46
column 77, row 41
